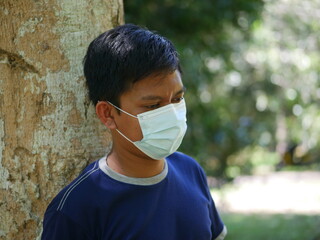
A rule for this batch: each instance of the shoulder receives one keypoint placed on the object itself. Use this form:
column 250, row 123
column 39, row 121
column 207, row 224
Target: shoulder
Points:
column 78, row 190
column 181, row 159
column 68, row 211
column 179, row 156
column 185, row 164
column 57, row 225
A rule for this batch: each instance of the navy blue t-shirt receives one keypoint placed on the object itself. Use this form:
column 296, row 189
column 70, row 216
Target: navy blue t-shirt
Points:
column 102, row 204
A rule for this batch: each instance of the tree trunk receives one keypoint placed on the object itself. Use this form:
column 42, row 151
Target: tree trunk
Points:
column 48, row 129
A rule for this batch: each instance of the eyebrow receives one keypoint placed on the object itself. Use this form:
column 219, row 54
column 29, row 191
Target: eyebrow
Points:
column 153, row 97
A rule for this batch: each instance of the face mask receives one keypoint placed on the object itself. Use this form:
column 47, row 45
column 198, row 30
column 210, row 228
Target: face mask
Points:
column 163, row 129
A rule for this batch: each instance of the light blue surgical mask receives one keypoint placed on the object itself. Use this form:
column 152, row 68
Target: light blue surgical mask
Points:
column 163, row 129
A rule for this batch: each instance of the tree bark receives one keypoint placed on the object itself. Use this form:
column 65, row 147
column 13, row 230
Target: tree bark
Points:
column 48, row 129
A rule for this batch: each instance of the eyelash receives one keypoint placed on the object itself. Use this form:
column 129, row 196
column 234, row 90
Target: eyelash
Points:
column 176, row 100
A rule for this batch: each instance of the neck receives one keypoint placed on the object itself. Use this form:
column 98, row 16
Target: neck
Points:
column 132, row 165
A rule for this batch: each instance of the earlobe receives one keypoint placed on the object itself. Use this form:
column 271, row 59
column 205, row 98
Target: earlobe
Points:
column 104, row 113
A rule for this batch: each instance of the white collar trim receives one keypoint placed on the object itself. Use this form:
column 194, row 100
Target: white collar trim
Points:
column 131, row 180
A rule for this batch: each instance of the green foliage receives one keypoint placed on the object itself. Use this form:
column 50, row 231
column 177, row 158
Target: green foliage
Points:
column 251, row 160
column 251, row 69
column 270, row 227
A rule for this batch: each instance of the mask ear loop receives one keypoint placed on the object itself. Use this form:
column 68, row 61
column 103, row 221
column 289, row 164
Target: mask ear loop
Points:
column 124, row 136
column 122, row 110
column 125, row 113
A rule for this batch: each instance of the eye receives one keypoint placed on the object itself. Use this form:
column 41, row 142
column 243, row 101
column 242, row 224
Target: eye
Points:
column 177, row 100
column 153, row 106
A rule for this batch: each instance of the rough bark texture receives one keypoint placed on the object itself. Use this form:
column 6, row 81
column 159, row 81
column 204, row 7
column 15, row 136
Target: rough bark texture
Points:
column 48, row 129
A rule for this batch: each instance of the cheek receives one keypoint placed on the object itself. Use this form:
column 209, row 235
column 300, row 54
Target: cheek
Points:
column 130, row 127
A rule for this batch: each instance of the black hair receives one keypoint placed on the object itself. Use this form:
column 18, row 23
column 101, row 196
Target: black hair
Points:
column 122, row 56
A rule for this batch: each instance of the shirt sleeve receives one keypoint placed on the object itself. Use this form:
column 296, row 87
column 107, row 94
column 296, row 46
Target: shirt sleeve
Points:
column 57, row 226
column 219, row 230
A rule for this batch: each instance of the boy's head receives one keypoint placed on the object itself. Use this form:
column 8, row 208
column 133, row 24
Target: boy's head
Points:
column 120, row 57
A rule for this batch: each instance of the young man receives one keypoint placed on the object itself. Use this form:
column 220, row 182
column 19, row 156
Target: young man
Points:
column 143, row 189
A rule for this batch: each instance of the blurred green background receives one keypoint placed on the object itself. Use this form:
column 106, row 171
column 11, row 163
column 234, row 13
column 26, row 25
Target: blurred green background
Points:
column 251, row 69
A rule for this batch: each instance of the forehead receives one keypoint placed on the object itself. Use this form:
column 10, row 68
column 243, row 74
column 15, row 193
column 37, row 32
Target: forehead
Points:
column 159, row 79
column 157, row 84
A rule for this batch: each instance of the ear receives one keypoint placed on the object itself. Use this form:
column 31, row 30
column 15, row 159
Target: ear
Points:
column 104, row 111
